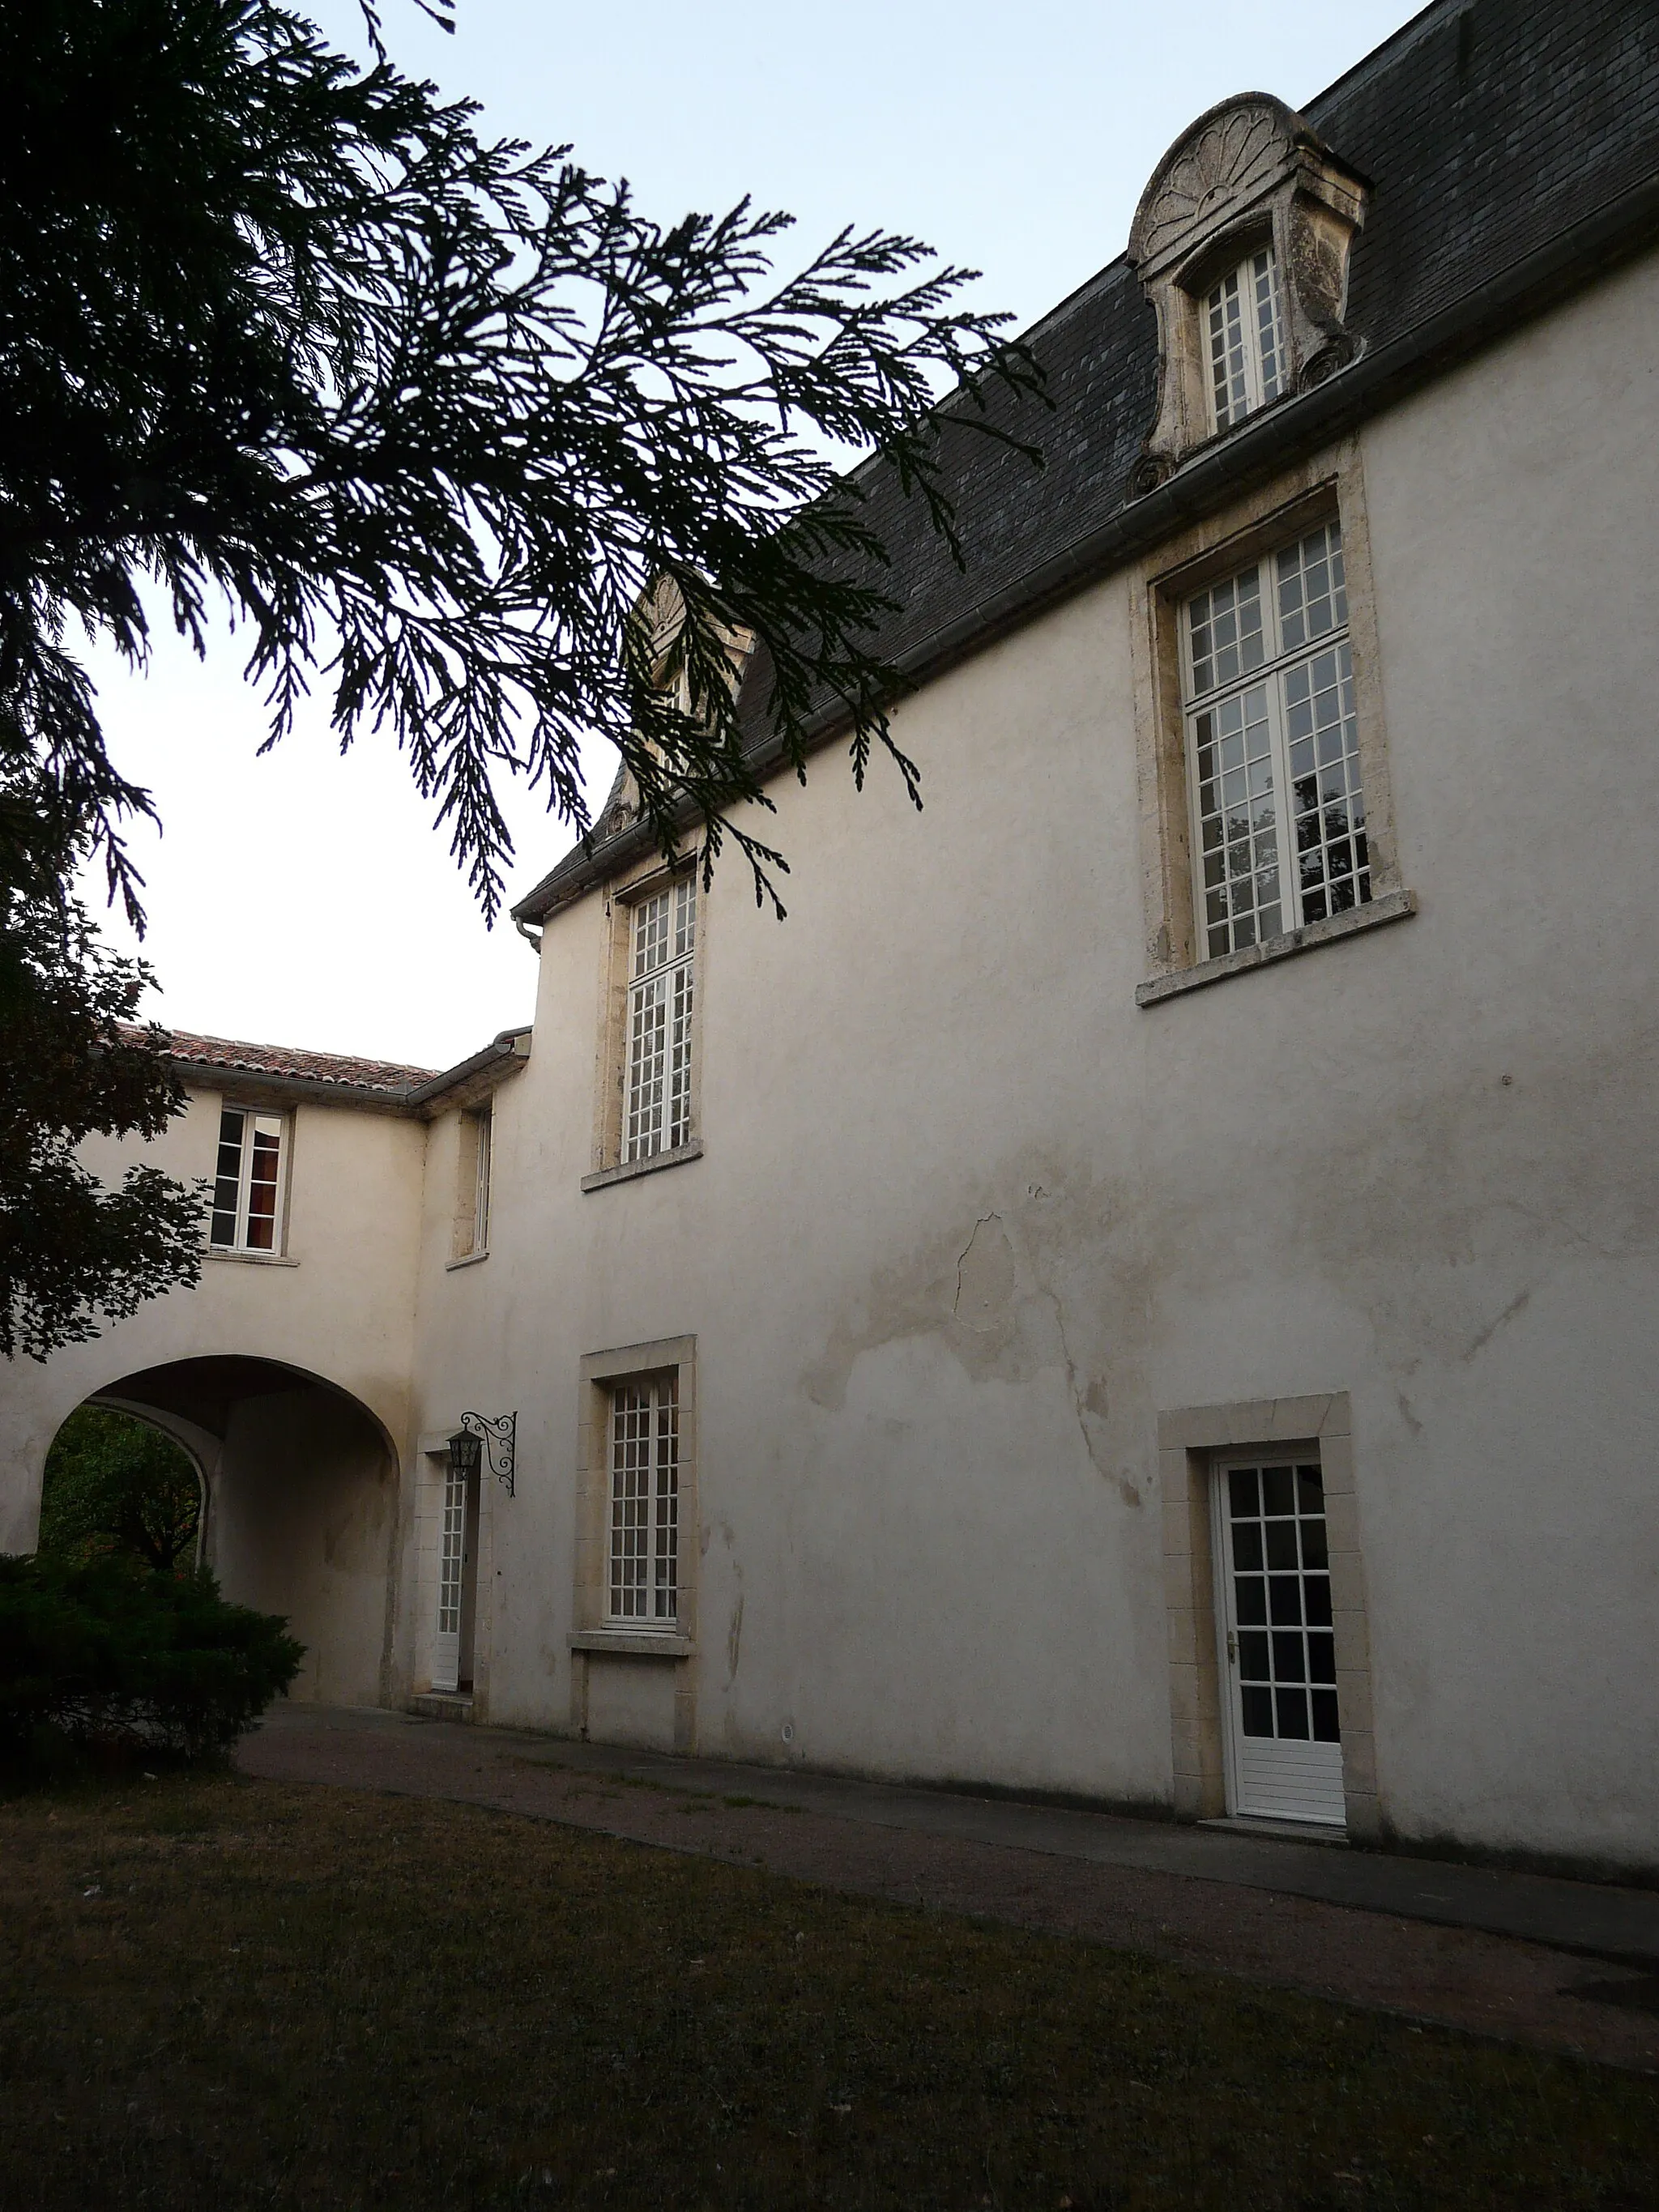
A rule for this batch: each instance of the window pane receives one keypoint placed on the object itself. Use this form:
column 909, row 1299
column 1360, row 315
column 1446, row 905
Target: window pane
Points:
column 630, row 1498
column 651, row 923
column 1277, row 1494
column 227, row 1178
column 1292, row 1708
column 1270, row 351
column 1284, row 1668
column 1328, row 809
column 1258, row 1712
column 480, row 1187
column 262, row 1184
column 657, row 1107
column 665, row 1548
column 1238, row 819
column 644, row 1570
column 1246, row 337
column 1224, row 631
column 1228, row 361
column 1241, row 1487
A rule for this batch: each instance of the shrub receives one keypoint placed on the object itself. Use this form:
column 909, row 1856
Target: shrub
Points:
column 103, row 1652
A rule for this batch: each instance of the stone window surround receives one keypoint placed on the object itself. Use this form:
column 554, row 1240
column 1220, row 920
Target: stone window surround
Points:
column 1189, row 1439
column 475, row 1126
column 611, row 1068
column 592, row 1641
column 1330, row 483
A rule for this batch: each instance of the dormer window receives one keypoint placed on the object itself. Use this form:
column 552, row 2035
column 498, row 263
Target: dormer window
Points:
column 1246, row 341
column 1236, row 330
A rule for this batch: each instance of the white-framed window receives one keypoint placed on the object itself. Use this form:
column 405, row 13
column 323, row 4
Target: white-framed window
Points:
column 1273, row 747
column 645, row 1500
column 481, row 1132
column 1246, row 327
column 662, row 950
column 248, row 1182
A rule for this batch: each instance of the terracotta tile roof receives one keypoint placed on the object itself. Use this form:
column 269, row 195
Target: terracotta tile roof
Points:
column 275, row 1059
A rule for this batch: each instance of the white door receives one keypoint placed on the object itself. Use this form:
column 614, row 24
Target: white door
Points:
column 451, row 1543
column 1285, row 1746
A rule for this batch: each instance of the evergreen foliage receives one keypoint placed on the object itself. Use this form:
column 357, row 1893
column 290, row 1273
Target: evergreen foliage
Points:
column 71, row 1066
column 433, row 414
column 107, row 1653
column 450, row 427
column 114, row 1486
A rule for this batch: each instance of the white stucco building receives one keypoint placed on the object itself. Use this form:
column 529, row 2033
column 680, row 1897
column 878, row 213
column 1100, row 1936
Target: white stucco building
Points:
column 1144, row 1287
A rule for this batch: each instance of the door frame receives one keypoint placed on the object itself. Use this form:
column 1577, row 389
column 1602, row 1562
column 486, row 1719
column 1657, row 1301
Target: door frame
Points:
column 1189, row 1438
column 420, row 1610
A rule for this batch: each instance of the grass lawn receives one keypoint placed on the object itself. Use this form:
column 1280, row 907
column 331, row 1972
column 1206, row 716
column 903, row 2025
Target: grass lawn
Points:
column 220, row 1993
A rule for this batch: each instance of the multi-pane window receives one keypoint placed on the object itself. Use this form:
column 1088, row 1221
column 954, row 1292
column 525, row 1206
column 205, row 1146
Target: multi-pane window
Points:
column 248, row 1182
column 645, row 1500
column 481, row 1143
column 657, row 1103
column 1280, row 1568
column 1247, row 341
column 1273, row 747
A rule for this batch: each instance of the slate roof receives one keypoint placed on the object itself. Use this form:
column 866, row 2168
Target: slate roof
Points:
column 1512, row 147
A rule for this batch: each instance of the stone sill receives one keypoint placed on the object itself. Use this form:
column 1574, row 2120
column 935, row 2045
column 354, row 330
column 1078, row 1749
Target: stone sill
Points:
column 1388, row 906
column 466, row 1259
column 249, row 1258
column 631, row 1645
column 630, row 1168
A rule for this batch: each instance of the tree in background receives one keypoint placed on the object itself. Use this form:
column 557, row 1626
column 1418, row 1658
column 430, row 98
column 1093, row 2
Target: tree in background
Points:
column 71, row 1065
column 441, row 422
column 116, row 1487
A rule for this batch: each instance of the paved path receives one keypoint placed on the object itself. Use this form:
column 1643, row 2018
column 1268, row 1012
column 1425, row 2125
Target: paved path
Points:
column 1570, row 1966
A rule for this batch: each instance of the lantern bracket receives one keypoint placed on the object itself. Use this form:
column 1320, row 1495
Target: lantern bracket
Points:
column 499, row 1435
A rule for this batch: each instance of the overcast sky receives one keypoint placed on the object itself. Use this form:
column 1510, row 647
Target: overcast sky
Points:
column 306, row 900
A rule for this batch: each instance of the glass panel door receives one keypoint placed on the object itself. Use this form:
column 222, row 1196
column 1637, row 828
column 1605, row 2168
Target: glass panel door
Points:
column 1284, row 1749
column 452, row 1540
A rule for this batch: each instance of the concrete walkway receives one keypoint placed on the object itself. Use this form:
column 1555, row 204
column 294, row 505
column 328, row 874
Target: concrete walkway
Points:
column 1503, row 1952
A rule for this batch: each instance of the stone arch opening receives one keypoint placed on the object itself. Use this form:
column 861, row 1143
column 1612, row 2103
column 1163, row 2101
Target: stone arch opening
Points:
column 300, row 1484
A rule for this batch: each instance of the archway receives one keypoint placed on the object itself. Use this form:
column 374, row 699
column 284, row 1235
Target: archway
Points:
column 302, row 1518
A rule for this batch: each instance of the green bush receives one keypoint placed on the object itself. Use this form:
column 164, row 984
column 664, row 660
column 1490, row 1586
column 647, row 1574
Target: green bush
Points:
column 104, row 1653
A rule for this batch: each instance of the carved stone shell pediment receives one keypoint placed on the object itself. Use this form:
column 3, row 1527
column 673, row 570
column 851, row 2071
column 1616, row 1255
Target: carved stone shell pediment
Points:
column 1226, row 157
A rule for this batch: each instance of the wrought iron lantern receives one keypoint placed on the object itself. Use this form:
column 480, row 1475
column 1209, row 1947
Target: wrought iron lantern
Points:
column 480, row 1433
